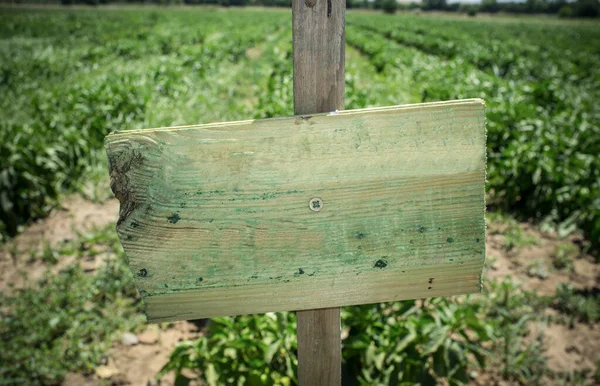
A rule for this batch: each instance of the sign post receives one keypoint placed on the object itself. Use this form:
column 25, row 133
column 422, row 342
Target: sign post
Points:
column 319, row 49
column 305, row 213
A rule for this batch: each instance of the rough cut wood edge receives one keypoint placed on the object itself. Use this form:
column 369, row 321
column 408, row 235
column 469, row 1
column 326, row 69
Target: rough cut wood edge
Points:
column 138, row 227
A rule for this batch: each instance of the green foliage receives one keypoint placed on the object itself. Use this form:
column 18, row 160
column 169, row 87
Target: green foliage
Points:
column 543, row 127
column 471, row 11
column 42, row 163
column 65, row 322
column 565, row 11
column 538, row 269
column 438, row 341
column 514, row 236
column 80, row 77
column 511, row 311
column 577, row 305
column 564, row 255
column 389, row 6
column 439, row 5
column 387, row 343
column 586, row 8
column 390, row 344
column 245, row 350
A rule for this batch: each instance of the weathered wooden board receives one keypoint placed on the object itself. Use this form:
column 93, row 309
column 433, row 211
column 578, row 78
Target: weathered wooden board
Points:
column 215, row 219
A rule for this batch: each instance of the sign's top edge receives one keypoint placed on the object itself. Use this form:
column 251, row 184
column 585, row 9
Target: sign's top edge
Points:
column 459, row 102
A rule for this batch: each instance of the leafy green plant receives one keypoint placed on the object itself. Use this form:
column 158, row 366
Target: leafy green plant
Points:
column 563, row 256
column 245, row 350
column 387, row 344
column 542, row 134
column 577, row 305
column 511, row 311
column 514, row 236
column 410, row 343
column 66, row 322
column 90, row 77
column 538, row 269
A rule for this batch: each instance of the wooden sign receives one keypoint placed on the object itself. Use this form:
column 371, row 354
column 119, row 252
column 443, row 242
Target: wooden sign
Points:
column 304, row 212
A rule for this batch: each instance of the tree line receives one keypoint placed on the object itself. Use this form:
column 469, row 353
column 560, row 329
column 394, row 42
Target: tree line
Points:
column 564, row 8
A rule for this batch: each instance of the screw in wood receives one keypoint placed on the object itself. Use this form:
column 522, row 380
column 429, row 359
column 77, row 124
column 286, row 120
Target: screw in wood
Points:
column 315, row 204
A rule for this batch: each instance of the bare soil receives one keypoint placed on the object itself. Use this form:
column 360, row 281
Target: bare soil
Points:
column 568, row 348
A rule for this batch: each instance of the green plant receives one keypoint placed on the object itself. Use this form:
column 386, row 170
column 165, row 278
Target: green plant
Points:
column 564, row 255
column 389, row 6
column 514, row 237
column 538, row 269
column 426, row 342
column 471, row 11
column 511, row 311
column 577, row 305
column 66, row 322
column 542, row 146
column 132, row 69
column 410, row 343
column 565, row 11
column 94, row 76
column 245, row 350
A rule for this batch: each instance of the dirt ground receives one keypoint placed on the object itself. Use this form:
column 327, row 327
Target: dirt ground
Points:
column 136, row 360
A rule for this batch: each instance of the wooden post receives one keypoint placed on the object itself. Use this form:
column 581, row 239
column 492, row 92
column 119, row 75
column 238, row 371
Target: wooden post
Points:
column 319, row 47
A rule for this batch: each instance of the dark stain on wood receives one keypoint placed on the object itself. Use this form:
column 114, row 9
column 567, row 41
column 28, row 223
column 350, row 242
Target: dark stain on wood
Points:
column 174, row 218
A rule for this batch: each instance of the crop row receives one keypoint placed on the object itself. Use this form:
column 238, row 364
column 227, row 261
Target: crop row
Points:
column 543, row 136
column 68, row 86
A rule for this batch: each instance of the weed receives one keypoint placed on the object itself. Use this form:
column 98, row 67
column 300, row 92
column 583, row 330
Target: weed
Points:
column 65, row 322
column 563, row 256
column 538, row 269
column 577, row 305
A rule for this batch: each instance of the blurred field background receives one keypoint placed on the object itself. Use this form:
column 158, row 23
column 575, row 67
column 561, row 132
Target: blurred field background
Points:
column 69, row 313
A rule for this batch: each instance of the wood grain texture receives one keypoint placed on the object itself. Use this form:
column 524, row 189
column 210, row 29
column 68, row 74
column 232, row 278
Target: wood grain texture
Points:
column 319, row 43
column 319, row 55
column 319, row 347
column 215, row 220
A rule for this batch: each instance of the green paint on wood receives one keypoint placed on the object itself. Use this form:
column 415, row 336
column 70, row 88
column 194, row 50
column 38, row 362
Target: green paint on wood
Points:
column 218, row 216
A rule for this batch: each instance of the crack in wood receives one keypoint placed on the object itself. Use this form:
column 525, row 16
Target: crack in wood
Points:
column 119, row 182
